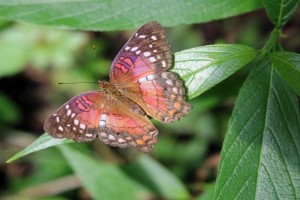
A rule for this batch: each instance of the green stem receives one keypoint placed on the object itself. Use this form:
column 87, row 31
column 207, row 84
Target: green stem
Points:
column 270, row 45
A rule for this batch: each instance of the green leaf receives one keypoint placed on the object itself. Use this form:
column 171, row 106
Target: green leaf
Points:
column 102, row 180
column 280, row 12
column 43, row 142
column 119, row 14
column 155, row 176
column 260, row 158
column 203, row 67
column 288, row 66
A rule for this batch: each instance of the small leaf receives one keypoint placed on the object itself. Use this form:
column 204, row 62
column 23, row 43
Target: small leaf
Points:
column 43, row 142
column 204, row 67
column 260, row 156
column 280, row 12
column 158, row 178
column 288, row 66
column 102, row 180
column 119, row 14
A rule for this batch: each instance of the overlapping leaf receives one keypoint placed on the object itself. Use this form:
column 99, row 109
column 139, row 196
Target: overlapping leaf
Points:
column 288, row 65
column 203, row 67
column 261, row 152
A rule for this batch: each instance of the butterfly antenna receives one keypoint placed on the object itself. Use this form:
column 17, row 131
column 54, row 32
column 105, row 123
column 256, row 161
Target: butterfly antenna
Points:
column 76, row 83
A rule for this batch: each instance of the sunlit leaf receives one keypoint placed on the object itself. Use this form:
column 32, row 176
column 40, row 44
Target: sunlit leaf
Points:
column 203, row 67
column 119, row 14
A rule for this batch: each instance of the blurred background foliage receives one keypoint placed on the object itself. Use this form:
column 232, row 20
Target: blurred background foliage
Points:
column 34, row 58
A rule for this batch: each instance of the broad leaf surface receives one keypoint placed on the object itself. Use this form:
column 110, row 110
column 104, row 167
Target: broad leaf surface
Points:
column 288, row 65
column 203, row 67
column 280, row 12
column 120, row 14
column 102, row 180
column 157, row 177
column 260, row 158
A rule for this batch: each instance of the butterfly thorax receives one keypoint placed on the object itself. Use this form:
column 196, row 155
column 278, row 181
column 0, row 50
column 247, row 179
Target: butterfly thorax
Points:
column 110, row 90
column 114, row 94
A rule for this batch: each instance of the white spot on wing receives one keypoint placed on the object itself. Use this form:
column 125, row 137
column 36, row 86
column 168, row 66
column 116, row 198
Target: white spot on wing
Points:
column 169, row 82
column 153, row 37
column 147, row 53
column 57, row 119
column 163, row 63
column 88, row 134
column 152, row 59
column 54, row 114
column 150, row 77
column 134, row 48
column 73, row 115
column 67, row 106
column 60, row 128
column 76, row 122
column 82, row 126
column 102, row 135
column 138, row 52
column 69, row 112
column 111, row 137
column 142, row 79
column 101, row 123
column 127, row 48
column 120, row 140
column 103, row 117
column 142, row 36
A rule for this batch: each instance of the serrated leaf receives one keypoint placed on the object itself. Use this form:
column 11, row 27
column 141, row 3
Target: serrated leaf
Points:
column 119, row 14
column 280, row 12
column 155, row 176
column 260, row 156
column 288, row 66
column 203, row 67
column 102, row 180
column 43, row 142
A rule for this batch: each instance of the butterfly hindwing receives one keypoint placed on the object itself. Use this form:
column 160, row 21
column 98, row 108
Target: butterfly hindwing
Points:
column 94, row 114
column 124, row 125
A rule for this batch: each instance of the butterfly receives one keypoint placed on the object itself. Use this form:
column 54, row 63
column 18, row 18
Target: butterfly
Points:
column 140, row 85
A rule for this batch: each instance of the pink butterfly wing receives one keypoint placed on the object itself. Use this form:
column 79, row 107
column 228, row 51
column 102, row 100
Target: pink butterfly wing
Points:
column 78, row 118
column 93, row 113
column 140, row 72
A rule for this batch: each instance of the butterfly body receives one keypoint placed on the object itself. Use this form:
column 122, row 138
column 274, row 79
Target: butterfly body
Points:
column 140, row 85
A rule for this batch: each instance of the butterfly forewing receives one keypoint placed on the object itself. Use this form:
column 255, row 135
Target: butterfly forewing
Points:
column 145, row 52
column 140, row 72
column 78, row 118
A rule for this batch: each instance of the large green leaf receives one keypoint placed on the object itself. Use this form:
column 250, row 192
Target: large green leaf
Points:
column 280, row 12
column 288, row 65
column 203, row 67
column 120, row 14
column 102, row 180
column 155, row 176
column 260, row 158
